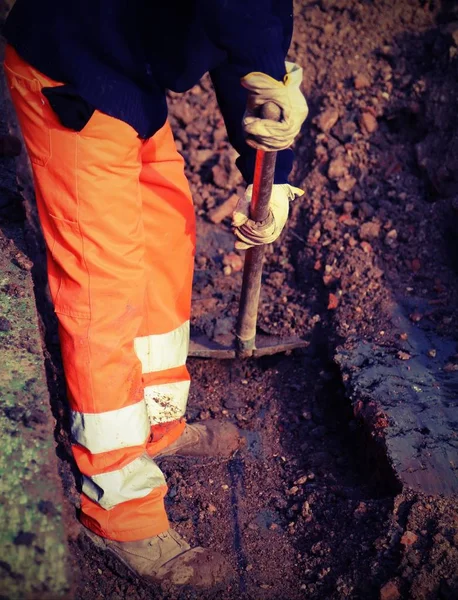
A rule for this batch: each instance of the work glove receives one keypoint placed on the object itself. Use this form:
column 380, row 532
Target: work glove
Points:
column 265, row 133
column 250, row 233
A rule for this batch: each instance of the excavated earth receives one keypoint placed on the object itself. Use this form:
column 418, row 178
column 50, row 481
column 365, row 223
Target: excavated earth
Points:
column 313, row 507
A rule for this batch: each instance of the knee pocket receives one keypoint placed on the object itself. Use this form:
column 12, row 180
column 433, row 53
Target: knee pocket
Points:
column 68, row 276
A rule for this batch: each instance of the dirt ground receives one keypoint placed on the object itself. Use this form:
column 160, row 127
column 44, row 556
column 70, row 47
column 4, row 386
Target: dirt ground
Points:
column 311, row 509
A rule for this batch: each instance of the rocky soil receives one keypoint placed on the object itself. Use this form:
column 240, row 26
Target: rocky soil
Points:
column 312, row 508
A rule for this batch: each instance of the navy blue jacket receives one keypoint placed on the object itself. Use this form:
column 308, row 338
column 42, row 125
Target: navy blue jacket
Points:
column 120, row 56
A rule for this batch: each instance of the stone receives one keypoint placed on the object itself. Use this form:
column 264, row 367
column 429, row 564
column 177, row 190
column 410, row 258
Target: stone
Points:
column 409, row 538
column 183, row 112
column 321, row 153
column 361, row 81
column 344, row 130
column 220, row 176
column 224, row 210
column 23, row 262
column 225, row 173
column 416, row 316
column 391, row 237
column 346, row 184
column 329, row 224
column 327, row 119
column 369, row 230
column 202, row 156
column 337, row 168
column 390, row 591
column 368, row 122
column 301, row 480
column 333, row 303
column 234, row 261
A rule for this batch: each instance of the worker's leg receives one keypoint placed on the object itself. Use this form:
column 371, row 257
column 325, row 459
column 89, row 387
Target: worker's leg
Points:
column 162, row 346
column 90, row 206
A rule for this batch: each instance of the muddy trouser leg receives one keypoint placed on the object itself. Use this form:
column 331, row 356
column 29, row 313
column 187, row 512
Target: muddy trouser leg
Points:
column 119, row 229
column 163, row 342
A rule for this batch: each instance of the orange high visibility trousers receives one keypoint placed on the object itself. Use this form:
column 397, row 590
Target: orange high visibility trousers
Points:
column 118, row 222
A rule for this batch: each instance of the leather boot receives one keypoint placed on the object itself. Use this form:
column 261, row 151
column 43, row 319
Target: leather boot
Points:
column 212, row 438
column 167, row 559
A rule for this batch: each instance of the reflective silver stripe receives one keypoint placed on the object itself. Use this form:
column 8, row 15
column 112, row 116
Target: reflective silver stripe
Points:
column 102, row 432
column 166, row 402
column 135, row 480
column 163, row 351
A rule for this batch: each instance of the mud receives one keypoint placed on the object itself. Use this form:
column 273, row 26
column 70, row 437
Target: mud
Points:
column 314, row 507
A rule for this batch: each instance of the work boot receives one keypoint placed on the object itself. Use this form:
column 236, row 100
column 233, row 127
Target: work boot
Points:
column 167, row 559
column 212, row 438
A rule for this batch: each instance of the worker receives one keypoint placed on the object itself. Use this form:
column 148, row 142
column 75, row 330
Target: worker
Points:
column 88, row 82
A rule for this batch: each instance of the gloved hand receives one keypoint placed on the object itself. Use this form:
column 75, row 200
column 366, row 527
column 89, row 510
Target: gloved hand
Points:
column 266, row 134
column 250, row 233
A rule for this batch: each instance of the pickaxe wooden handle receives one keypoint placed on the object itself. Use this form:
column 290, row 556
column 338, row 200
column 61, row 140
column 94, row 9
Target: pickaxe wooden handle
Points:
column 252, row 271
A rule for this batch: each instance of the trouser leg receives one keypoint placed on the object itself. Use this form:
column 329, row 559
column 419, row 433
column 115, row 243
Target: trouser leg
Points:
column 90, row 203
column 162, row 346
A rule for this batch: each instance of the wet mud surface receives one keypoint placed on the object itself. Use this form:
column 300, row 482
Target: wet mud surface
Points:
column 313, row 508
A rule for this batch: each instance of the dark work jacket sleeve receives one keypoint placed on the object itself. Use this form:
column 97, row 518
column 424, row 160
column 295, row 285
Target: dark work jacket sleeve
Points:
column 255, row 35
column 232, row 101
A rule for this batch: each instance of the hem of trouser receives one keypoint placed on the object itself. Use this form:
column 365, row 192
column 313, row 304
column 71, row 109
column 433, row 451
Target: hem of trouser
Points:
column 128, row 535
column 150, row 527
